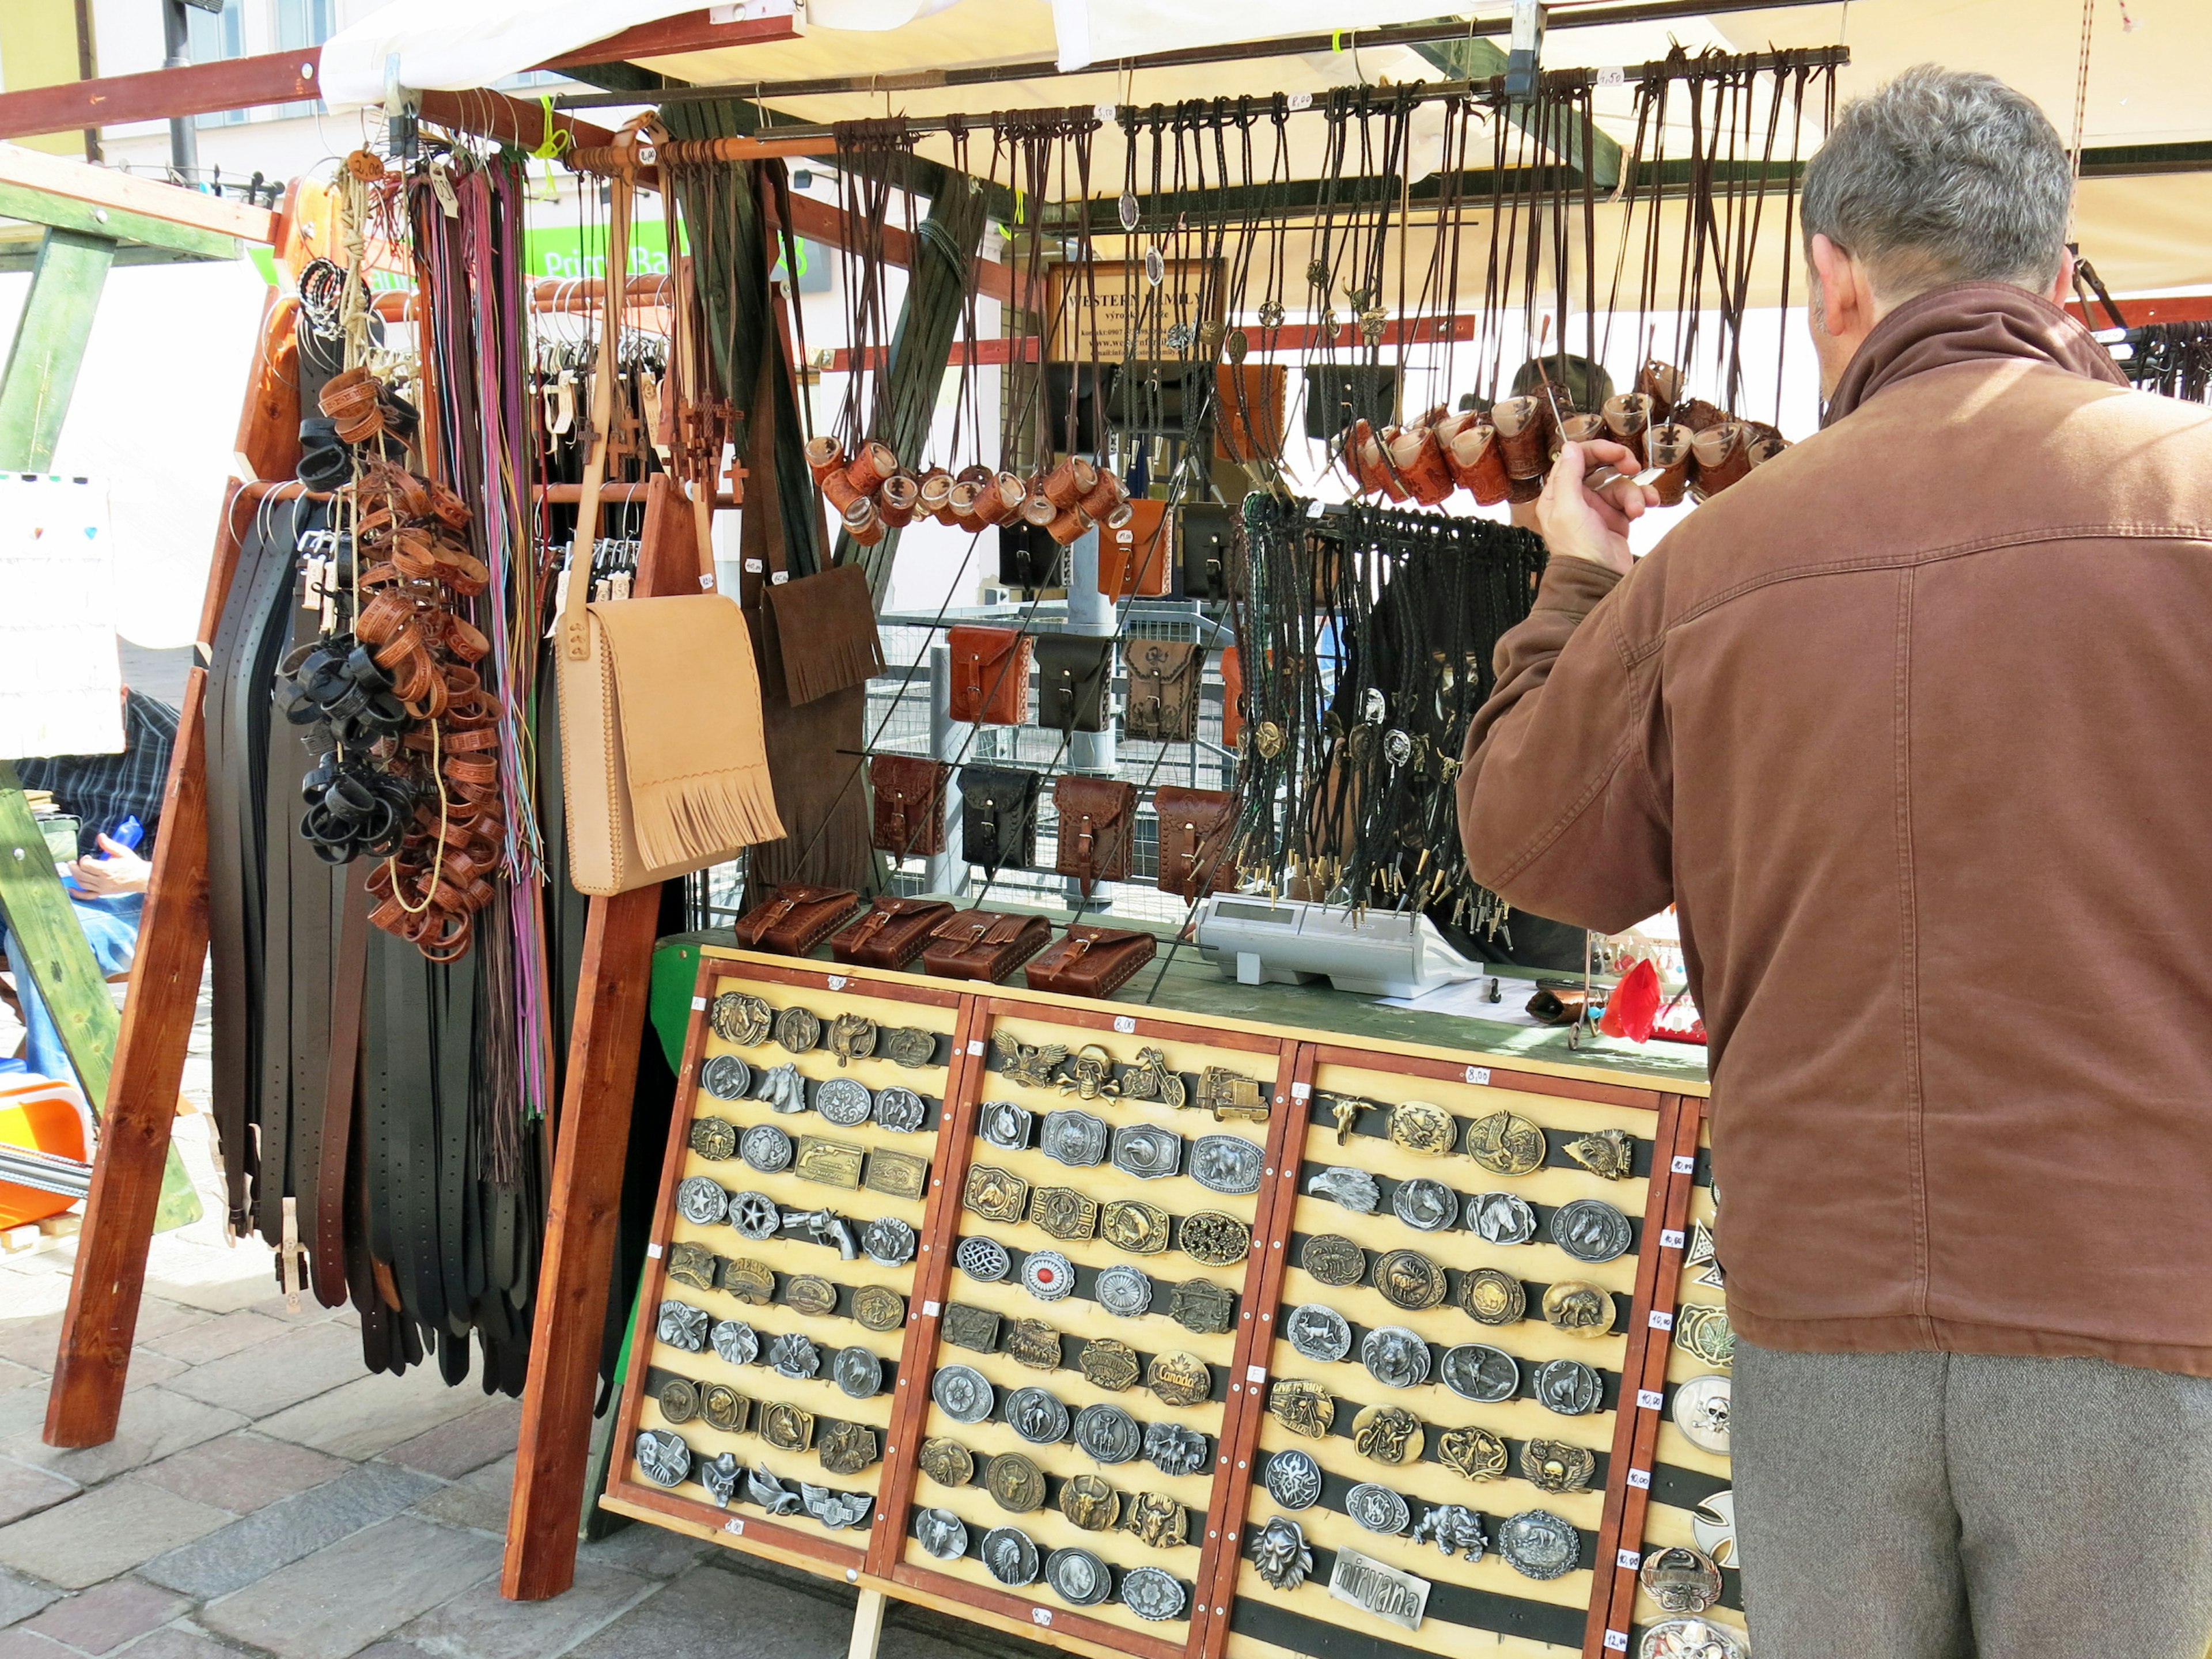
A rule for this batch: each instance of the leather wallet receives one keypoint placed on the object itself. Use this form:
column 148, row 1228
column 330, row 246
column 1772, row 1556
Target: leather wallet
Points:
column 795, row 918
column 909, row 804
column 1195, row 826
column 1097, row 829
column 890, row 935
column 1163, row 676
column 1091, row 961
column 998, row 817
column 983, row 945
column 1073, row 672
column 990, row 676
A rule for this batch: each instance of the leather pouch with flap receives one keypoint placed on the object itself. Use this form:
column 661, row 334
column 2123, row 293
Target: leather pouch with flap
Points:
column 983, row 945
column 890, row 935
column 1074, row 671
column 998, row 817
column 1196, row 827
column 794, row 919
column 1097, row 829
column 909, row 804
column 1091, row 961
column 990, row 676
column 1163, row 676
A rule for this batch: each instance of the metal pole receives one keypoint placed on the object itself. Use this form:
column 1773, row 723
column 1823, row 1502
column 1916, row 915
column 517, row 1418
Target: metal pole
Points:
column 184, row 136
column 948, row 872
column 1089, row 611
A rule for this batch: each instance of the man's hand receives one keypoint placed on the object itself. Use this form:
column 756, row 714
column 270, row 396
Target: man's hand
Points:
column 1590, row 523
column 121, row 872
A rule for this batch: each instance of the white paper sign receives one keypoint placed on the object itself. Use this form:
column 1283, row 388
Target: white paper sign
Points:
column 61, row 681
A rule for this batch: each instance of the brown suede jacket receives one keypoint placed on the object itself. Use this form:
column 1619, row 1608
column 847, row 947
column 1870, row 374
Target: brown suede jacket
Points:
column 1911, row 724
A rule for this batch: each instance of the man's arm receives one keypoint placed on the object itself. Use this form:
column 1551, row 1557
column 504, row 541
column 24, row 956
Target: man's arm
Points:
column 1564, row 794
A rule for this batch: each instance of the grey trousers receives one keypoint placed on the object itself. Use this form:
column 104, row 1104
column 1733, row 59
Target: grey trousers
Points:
column 1943, row 1506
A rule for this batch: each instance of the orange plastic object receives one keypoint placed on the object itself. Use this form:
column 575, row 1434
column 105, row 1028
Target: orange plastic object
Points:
column 1633, row 1010
column 1134, row 559
column 46, row 1116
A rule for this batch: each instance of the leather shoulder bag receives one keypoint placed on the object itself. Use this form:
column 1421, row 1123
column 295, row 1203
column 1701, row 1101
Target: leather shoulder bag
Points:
column 990, row 676
column 1196, row 828
column 795, row 918
column 892, row 934
column 1097, row 829
column 983, row 945
column 1091, row 961
column 998, row 817
column 1072, row 674
column 909, row 804
column 1163, row 676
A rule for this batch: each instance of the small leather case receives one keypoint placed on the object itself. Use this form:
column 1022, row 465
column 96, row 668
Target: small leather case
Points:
column 1073, row 672
column 1091, row 961
column 998, row 817
column 1195, row 828
column 1163, row 676
column 1097, row 829
column 795, row 918
column 990, row 676
column 891, row 935
column 909, row 804
column 983, row 945
column 1206, row 535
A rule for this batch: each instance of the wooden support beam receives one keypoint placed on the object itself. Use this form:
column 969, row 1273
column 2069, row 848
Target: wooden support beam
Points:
column 39, row 207
column 49, row 946
column 48, row 350
column 104, row 187
column 668, row 37
column 279, row 77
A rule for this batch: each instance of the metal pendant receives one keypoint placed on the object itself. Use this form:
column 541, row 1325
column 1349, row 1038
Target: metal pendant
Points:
column 1015, row 1482
column 1155, row 266
column 1387, row 1434
column 1037, row 1415
column 1538, row 1543
column 1680, row 1579
column 1088, row 1074
column 1501, row 1217
column 1332, row 1259
column 782, row 1088
column 735, row 1342
column 701, row 1201
column 1505, row 1143
column 740, row 1019
column 852, row 1036
column 1293, row 1479
column 1453, row 1529
column 1475, row 1453
column 1701, row 1413
column 1301, row 1407
column 786, row 1427
column 1064, row 1213
column 1237, row 347
column 858, row 1372
column 842, row 1101
column 1123, row 1291
column 996, row 1194
column 693, row 1265
column 941, row 1533
column 982, row 1259
column 1408, row 1279
column 1609, row 1154
column 713, row 1139
column 1702, row 1331
column 1355, row 1189
column 1108, row 1434
column 1033, row 1343
column 766, row 1148
column 1377, row 1509
column 946, row 1461
column 1005, row 1125
column 1591, row 1230
column 908, row 1046
column 1078, row 1577
column 847, row 1448
column 1426, row 1207
column 967, row 1325
column 810, row 1294
column 1074, row 1137
column 678, row 1399
column 1127, row 209
column 662, row 1457
column 1147, row 1152
column 1280, row 1554
column 680, row 1325
column 1579, row 1307
column 1270, row 313
column 1048, row 1275
column 1417, row 1126
column 1179, row 1379
column 1217, row 1239
column 1556, row 1466
column 1090, row 1503
column 901, row 1110
column 1153, row 1594
column 1173, row 1449
column 1202, row 1306
column 756, row 1215
column 1139, row 1229
column 962, row 1393
column 1568, row 1387
column 1319, row 1333
column 1477, row 1371
column 794, row 1356
column 719, row 1476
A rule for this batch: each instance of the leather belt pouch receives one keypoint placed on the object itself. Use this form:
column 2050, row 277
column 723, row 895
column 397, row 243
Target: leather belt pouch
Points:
column 983, row 945
column 1091, row 961
column 794, row 919
column 909, row 804
column 1073, row 672
column 990, row 676
column 828, row 621
column 890, row 935
column 1164, row 678
column 1207, row 536
column 998, row 817
column 1097, row 829
column 1195, row 828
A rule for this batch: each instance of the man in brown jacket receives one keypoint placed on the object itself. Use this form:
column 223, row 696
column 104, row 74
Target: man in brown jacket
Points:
column 1909, row 725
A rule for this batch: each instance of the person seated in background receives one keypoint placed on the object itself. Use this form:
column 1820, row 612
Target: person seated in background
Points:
column 105, row 793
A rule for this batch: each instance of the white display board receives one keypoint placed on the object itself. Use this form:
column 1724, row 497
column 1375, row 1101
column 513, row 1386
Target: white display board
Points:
column 61, row 681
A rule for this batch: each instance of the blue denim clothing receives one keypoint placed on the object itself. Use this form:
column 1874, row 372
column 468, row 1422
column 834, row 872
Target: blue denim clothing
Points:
column 111, row 926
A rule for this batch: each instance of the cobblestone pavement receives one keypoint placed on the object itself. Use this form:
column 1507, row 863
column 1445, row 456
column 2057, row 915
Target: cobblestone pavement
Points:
column 266, row 1496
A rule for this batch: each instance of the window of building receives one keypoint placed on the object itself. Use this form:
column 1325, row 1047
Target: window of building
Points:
column 301, row 23
column 214, row 36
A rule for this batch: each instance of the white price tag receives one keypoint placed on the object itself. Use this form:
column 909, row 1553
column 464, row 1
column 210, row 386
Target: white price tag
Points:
column 698, row 1005
column 1124, row 1023
column 1042, row 1615
column 754, row 566
column 777, row 578
column 1478, row 1075
column 974, row 1047
column 1648, row 1400
column 736, row 1525
column 1300, row 100
column 1616, row 1641
column 838, row 981
column 1630, row 1559
column 1313, row 509
column 1640, row 1479
column 933, row 1308
column 1255, row 1375
column 1611, row 75
column 1661, row 1320
column 1671, row 1239
column 1686, row 1164
column 1105, row 112
column 1301, row 1090
column 652, row 1252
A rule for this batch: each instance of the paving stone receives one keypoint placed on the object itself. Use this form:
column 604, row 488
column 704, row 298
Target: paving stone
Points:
column 656, row 1552
column 20, row 1597
column 482, row 1624
column 372, row 1413
column 22, row 1644
column 451, row 1449
column 149, row 1367
column 696, row 1617
column 22, row 1412
column 480, row 1500
column 392, row 1651
column 181, row 1642
column 235, row 1556
column 155, row 1424
column 31, row 1333
column 341, row 1599
column 296, row 1365
column 243, row 1472
column 26, row 1490
column 103, row 1532
column 107, row 1616
column 210, row 1276
column 13, row 1376
column 216, row 1338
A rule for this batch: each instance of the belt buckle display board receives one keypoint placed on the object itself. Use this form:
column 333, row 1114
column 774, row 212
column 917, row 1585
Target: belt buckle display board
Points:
column 1678, row 1565
column 1456, row 1315
column 1073, row 1461
column 769, row 1365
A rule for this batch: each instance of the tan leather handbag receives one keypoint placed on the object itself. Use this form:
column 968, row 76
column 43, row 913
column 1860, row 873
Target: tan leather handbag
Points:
column 663, row 764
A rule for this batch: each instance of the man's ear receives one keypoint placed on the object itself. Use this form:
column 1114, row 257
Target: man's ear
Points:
column 1843, row 300
column 2061, row 285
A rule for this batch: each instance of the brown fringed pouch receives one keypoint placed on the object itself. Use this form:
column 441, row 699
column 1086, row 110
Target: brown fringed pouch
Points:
column 824, row 630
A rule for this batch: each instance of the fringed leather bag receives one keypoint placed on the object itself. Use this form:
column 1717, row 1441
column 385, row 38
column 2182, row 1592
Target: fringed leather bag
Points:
column 984, row 944
column 891, row 935
column 795, row 918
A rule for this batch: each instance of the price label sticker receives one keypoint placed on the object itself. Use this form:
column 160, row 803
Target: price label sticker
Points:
column 1042, row 1615
column 1616, row 1641
column 1629, row 1559
column 1255, row 1375
column 1640, row 1479
column 1611, row 75
column 777, row 578
column 652, row 1252
column 1301, row 1090
column 1661, row 1320
column 933, row 1308
column 754, row 566
column 1686, row 1164
column 1124, row 1023
column 735, row 1525
column 698, row 1005
column 974, row 1046
column 1300, row 100
column 1671, row 1239
column 1649, row 1399
column 838, row 981
column 1105, row 112
column 1313, row 509
column 1478, row 1075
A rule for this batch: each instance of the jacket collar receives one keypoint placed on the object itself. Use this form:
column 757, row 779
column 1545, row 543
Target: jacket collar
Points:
column 1967, row 322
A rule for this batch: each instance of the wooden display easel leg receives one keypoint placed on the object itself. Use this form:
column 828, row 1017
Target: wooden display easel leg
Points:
column 867, row 1626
